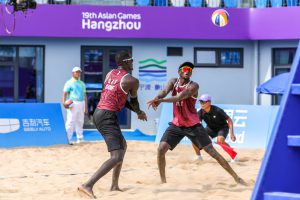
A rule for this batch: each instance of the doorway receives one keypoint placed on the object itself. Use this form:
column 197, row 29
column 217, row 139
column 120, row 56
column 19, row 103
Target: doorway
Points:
column 96, row 62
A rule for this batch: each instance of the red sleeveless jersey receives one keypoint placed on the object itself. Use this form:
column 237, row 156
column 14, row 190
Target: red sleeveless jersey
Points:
column 113, row 97
column 184, row 112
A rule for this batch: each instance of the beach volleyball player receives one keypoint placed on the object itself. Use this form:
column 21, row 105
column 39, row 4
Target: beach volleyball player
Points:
column 118, row 84
column 185, row 120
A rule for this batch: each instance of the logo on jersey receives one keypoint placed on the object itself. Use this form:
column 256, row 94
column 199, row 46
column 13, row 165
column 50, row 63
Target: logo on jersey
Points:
column 110, row 84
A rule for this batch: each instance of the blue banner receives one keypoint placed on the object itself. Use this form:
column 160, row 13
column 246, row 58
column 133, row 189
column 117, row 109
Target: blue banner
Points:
column 31, row 124
column 252, row 124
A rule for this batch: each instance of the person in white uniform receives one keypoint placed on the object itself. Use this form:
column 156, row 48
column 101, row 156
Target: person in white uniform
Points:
column 75, row 90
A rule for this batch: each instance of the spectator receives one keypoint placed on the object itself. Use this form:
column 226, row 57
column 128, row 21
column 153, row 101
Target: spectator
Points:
column 75, row 90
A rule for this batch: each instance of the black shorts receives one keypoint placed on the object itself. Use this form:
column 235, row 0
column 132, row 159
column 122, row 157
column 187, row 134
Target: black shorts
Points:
column 214, row 133
column 197, row 134
column 106, row 122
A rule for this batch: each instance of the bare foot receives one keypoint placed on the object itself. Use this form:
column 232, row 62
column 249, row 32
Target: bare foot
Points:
column 115, row 188
column 87, row 191
column 163, row 181
column 241, row 181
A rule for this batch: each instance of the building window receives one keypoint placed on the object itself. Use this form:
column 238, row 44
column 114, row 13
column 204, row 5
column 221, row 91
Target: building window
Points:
column 282, row 61
column 206, row 57
column 218, row 57
column 283, row 57
column 21, row 73
column 174, row 51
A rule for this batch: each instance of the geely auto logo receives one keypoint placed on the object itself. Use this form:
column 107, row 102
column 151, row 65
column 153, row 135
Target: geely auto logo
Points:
column 8, row 125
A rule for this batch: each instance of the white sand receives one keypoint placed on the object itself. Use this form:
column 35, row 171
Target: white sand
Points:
column 55, row 172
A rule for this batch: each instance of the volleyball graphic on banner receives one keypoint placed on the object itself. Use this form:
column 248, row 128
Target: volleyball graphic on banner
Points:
column 220, row 17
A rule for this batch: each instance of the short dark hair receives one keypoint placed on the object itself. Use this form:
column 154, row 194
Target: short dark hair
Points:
column 121, row 56
column 191, row 65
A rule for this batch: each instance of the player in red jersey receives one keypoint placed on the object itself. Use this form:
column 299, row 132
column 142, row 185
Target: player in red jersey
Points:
column 118, row 84
column 185, row 120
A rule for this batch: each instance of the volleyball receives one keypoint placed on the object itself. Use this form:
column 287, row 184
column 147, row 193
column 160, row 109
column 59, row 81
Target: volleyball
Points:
column 220, row 17
column 69, row 103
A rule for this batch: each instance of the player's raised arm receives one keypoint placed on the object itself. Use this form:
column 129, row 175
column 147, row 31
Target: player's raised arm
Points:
column 191, row 91
column 163, row 93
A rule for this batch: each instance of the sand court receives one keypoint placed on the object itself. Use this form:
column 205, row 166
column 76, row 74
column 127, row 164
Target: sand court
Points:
column 56, row 172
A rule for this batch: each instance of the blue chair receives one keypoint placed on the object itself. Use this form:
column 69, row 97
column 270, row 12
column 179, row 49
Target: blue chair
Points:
column 261, row 3
column 231, row 3
column 195, row 3
column 143, row 2
column 178, row 3
column 160, row 2
column 213, row 3
column 291, row 2
column 276, row 3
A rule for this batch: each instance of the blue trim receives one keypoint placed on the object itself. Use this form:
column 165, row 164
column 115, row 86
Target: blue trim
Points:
column 129, row 135
column 93, row 86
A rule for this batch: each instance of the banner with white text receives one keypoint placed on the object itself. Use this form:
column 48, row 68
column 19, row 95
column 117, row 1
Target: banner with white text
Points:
column 252, row 124
column 31, row 124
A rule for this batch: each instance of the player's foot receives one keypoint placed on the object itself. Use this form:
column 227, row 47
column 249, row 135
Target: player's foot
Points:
column 115, row 188
column 79, row 141
column 241, row 181
column 86, row 191
column 199, row 158
column 163, row 180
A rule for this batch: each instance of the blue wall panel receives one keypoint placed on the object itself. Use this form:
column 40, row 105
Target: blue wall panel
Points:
column 31, row 124
column 252, row 124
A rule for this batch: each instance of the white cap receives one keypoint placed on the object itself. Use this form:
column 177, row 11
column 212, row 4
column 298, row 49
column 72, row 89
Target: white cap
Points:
column 75, row 69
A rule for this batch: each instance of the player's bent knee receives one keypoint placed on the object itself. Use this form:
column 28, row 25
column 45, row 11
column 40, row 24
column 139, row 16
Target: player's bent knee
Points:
column 117, row 158
column 209, row 148
column 162, row 148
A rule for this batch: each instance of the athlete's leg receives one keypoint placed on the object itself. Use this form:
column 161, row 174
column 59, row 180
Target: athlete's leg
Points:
column 117, row 171
column 116, row 158
column 172, row 136
column 161, row 160
column 202, row 140
column 211, row 135
column 213, row 153
column 196, row 149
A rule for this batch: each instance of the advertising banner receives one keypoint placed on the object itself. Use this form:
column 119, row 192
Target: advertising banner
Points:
column 90, row 21
column 31, row 124
column 252, row 124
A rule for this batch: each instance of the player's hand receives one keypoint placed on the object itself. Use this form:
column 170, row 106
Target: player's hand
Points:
column 142, row 116
column 66, row 106
column 153, row 103
column 232, row 137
